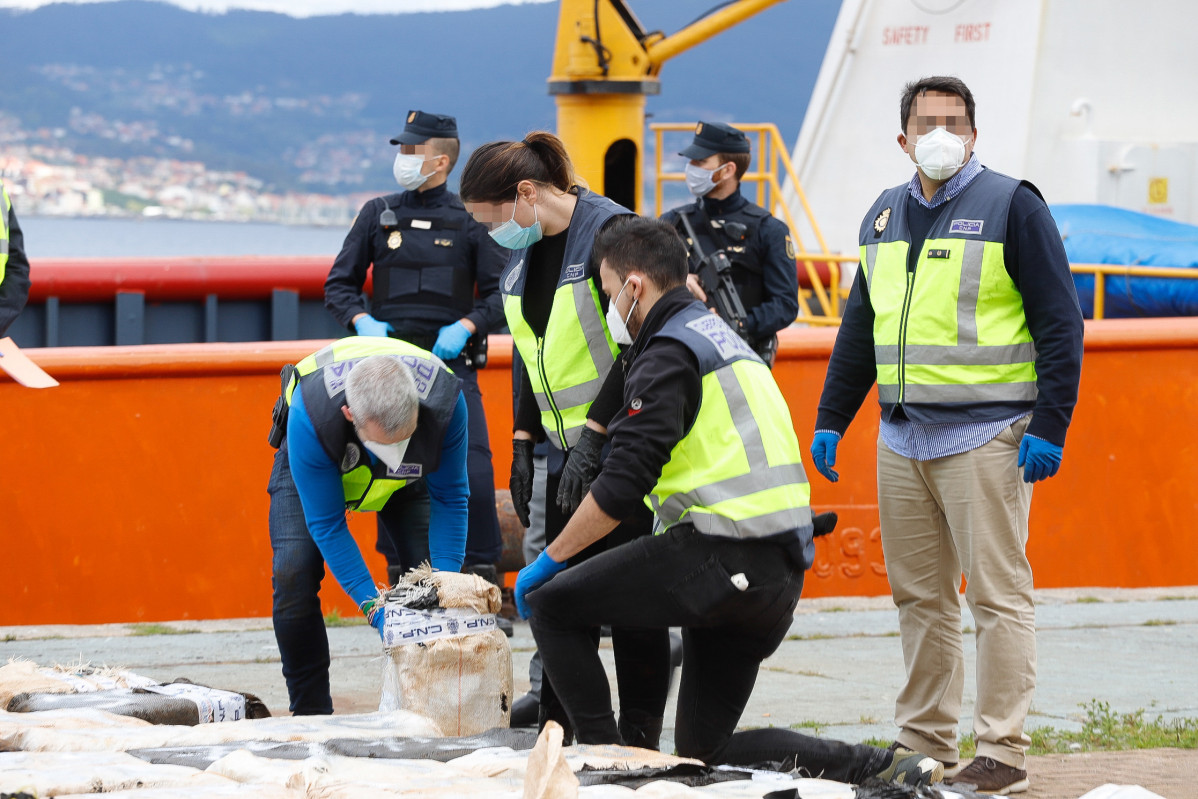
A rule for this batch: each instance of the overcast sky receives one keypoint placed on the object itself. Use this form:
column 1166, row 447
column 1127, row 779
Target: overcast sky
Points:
column 308, row 8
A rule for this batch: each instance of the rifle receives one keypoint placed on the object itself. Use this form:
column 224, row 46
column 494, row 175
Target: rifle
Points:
column 715, row 273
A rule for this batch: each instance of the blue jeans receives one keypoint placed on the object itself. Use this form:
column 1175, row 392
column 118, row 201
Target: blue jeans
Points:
column 296, row 571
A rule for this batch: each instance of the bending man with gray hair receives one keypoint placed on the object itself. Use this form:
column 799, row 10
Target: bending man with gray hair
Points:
column 363, row 417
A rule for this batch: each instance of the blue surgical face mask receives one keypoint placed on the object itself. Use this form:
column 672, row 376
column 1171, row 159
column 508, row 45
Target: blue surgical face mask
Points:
column 514, row 237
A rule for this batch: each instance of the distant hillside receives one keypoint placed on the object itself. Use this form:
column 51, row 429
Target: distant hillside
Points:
column 307, row 104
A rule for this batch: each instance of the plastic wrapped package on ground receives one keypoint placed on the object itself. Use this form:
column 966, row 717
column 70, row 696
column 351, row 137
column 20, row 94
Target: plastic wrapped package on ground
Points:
column 180, row 702
column 334, row 775
column 61, row 773
column 446, row 658
column 392, row 748
column 232, row 790
column 25, row 676
column 89, row 730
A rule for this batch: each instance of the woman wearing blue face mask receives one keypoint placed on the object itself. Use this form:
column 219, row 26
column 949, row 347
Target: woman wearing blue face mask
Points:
column 529, row 196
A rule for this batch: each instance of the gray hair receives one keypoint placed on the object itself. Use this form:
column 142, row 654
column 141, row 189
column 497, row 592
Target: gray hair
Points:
column 380, row 389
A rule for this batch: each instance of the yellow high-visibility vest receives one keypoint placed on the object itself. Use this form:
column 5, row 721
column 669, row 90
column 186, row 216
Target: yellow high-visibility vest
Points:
column 569, row 364
column 738, row 471
column 321, row 377
column 953, row 332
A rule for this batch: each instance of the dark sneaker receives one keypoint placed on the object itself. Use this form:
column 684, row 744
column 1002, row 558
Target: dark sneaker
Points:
column 911, row 768
column 950, row 769
column 987, row 775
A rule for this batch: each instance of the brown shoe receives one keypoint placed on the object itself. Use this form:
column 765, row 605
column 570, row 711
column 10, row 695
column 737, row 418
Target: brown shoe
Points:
column 987, row 775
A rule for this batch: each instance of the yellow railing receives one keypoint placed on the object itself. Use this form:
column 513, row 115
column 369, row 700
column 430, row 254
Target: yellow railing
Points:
column 1100, row 272
column 771, row 152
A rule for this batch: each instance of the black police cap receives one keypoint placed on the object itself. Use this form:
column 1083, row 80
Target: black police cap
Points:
column 715, row 137
column 422, row 126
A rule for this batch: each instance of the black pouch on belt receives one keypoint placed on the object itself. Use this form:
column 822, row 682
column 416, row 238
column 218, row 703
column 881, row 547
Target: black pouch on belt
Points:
column 476, row 351
column 278, row 416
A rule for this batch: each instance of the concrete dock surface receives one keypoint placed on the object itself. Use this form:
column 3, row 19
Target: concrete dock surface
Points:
column 836, row 675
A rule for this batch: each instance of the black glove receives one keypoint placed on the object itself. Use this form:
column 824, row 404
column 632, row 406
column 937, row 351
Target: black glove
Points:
column 582, row 466
column 521, row 482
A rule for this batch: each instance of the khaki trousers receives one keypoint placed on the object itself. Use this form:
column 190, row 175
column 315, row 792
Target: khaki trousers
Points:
column 967, row 514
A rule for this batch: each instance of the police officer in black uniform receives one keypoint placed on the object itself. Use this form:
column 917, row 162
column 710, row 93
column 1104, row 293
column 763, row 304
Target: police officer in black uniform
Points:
column 429, row 258
column 758, row 245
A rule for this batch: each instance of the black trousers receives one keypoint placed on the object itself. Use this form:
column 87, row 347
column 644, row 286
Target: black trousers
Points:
column 642, row 654
column 682, row 578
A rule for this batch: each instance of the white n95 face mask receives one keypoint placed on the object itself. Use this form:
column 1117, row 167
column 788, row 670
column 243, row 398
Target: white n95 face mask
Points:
column 390, row 454
column 939, row 154
column 617, row 324
column 407, row 171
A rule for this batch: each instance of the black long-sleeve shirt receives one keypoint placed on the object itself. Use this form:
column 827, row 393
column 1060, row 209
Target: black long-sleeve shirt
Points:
column 343, row 288
column 662, row 393
column 14, row 290
column 1035, row 259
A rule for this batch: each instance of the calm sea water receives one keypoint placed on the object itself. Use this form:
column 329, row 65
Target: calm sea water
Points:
column 57, row 237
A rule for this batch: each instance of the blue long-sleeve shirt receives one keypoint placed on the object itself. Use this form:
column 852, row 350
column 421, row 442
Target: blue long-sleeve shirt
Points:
column 318, row 481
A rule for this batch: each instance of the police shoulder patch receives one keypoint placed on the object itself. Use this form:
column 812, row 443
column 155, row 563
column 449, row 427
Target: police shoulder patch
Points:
column 790, row 248
column 726, row 341
column 881, row 220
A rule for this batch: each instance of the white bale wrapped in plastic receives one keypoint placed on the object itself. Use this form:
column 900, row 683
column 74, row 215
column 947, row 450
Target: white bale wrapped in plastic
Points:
column 446, row 659
column 87, row 730
column 59, row 773
column 25, row 676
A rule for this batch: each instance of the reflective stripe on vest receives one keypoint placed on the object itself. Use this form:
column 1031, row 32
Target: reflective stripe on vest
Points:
column 954, row 331
column 5, row 205
column 738, row 472
column 568, row 366
column 367, row 487
column 570, row 363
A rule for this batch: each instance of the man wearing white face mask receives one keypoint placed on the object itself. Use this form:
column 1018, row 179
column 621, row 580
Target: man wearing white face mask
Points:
column 429, row 257
column 758, row 245
column 364, row 417
column 963, row 311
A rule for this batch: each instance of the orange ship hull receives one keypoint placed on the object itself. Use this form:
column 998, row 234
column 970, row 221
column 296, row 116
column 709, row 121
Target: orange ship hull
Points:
column 136, row 490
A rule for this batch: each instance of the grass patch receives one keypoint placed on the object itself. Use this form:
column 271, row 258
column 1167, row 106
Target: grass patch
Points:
column 816, row 727
column 1105, row 730
column 881, row 743
column 1087, row 600
column 812, row 637
column 334, row 619
column 1159, row 622
column 158, row 629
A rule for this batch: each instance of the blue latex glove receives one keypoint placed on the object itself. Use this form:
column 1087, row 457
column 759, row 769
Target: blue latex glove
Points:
column 1040, row 459
column 369, row 326
column 532, row 577
column 823, row 452
column 450, row 341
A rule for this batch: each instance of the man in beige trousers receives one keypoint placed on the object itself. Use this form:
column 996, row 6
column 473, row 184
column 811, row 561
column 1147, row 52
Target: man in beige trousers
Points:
column 963, row 311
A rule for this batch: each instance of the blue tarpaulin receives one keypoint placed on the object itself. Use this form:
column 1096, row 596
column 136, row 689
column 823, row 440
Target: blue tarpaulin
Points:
column 1100, row 234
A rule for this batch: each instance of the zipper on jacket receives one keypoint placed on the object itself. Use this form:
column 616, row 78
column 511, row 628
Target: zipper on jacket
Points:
column 903, row 318
column 557, row 415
